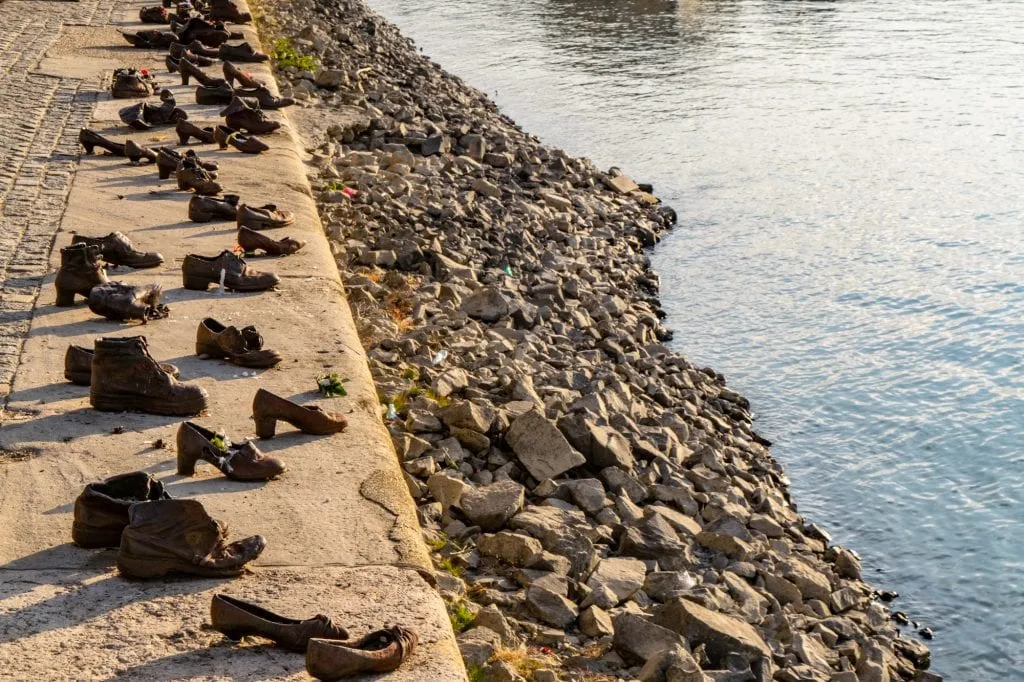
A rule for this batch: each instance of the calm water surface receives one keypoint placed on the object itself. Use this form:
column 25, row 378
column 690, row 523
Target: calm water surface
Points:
column 848, row 177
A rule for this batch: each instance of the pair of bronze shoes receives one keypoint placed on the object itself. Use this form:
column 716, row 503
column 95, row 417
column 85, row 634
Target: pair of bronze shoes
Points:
column 130, row 83
column 78, row 366
column 169, row 160
column 247, row 115
column 192, row 175
column 228, row 270
column 143, row 116
column 207, row 208
column 226, row 136
column 330, row 655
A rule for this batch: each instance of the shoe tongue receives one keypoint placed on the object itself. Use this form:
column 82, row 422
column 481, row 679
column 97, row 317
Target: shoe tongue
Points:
column 251, row 338
column 121, row 243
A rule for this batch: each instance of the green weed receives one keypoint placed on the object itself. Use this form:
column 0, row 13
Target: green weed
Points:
column 286, row 54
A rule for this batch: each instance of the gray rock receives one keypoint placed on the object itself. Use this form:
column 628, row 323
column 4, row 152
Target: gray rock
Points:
column 561, row 532
column 595, row 622
column 464, row 414
column 491, row 506
column 652, row 538
column 622, row 576
column 477, row 645
column 587, row 493
column 720, row 634
column 446, row 489
column 512, row 548
column 601, row 445
column 540, row 446
column 501, row 671
column 549, row 607
column 664, row 585
column 487, row 304
column 638, row 640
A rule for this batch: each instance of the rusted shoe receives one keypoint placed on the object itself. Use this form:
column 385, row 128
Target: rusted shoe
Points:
column 132, row 116
column 154, row 15
column 264, row 97
column 265, row 217
column 129, row 83
column 222, row 93
column 238, row 462
column 178, row 536
column 80, row 271
column 242, row 116
column 192, row 176
column 78, row 366
column 125, row 377
column 268, row 409
column 168, row 160
column 236, row 619
column 90, row 140
column 226, row 10
column 232, row 73
column 377, row 652
column 177, row 51
column 136, row 153
column 187, row 130
column 229, row 269
column 243, row 52
column 151, row 40
column 117, row 249
column 251, row 241
column 242, row 347
column 189, row 70
column 207, row 209
column 198, row 29
column 248, row 144
column 118, row 301
column 164, row 113
column 101, row 510
column 203, row 50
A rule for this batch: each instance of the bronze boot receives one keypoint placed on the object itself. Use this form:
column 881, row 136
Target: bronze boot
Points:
column 205, row 209
column 236, row 619
column 118, row 301
column 265, row 217
column 377, row 652
column 178, row 536
column 228, row 269
column 90, row 140
column 242, row 347
column 129, row 83
column 251, row 241
column 125, row 377
column 78, row 366
column 268, row 408
column 101, row 510
column 187, row 130
column 80, row 270
column 238, row 462
column 117, row 249
column 226, row 10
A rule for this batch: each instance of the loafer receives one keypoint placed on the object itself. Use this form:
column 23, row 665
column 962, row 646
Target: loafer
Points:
column 236, row 619
column 252, row 241
column 377, row 652
column 242, row 347
column 238, row 462
column 229, row 269
column 206, row 209
column 264, row 217
column 268, row 409
column 78, row 366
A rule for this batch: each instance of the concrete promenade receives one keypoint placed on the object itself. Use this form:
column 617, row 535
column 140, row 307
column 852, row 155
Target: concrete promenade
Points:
column 342, row 534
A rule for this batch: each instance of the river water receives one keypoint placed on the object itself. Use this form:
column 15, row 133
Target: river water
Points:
column 850, row 250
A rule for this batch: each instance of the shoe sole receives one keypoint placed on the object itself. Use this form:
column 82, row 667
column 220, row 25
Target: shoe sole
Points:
column 131, row 402
column 147, row 567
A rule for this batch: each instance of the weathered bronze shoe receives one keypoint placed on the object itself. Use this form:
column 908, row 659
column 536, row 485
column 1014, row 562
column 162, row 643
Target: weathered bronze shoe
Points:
column 242, row 347
column 125, row 377
column 222, row 93
column 188, row 70
column 101, row 510
column 164, row 113
column 225, row 10
column 90, row 140
column 268, row 409
column 197, row 47
column 206, row 209
column 132, row 116
column 265, row 98
column 130, row 83
column 168, row 160
column 80, row 270
column 229, row 269
column 265, row 217
column 251, row 240
column 78, row 366
column 199, row 29
column 118, row 301
column 178, row 536
column 238, row 462
column 192, row 176
column 236, row 619
column 377, row 652
column 154, row 15
column 187, row 130
column 233, row 73
column 248, row 144
column 243, row 52
column 177, row 51
column 241, row 116
column 151, row 40
column 117, row 249
column 136, row 153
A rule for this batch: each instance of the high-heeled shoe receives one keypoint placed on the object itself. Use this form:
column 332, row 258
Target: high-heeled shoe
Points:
column 90, row 140
column 135, row 153
column 232, row 73
column 238, row 462
column 268, row 409
column 189, row 70
column 251, row 241
column 187, row 130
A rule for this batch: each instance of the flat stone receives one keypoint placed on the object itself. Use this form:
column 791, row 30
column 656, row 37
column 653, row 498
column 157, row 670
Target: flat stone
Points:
column 551, row 608
column 622, row 576
column 595, row 622
column 512, row 548
column 491, row 506
column 487, row 304
column 446, row 489
column 464, row 414
column 540, row 446
column 719, row 633
column 638, row 639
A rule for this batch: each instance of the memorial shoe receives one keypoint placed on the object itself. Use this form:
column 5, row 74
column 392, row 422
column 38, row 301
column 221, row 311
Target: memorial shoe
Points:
column 242, row 116
column 233, row 73
column 264, row 217
column 188, row 70
column 238, row 462
column 131, row 83
column 236, row 619
column 249, row 144
column 101, row 510
column 251, row 240
column 377, row 652
column 242, row 52
column 135, row 152
column 268, row 409
column 78, row 366
column 226, row 10
column 119, row 301
column 80, row 270
column 178, row 536
column 197, row 47
column 192, row 176
column 151, row 40
column 90, row 140
column 266, row 99
column 206, row 209
column 117, row 249
column 125, row 377
column 220, row 93
column 177, row 51
column 227, row 269
column 187, row 130
column 242, row 347
column 168, row 160
column 154, row 15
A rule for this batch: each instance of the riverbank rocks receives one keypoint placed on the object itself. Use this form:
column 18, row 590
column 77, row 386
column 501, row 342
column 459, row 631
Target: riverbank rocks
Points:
column 609, row 501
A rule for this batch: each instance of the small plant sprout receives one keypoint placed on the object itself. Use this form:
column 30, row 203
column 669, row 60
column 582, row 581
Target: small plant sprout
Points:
column 331, row 385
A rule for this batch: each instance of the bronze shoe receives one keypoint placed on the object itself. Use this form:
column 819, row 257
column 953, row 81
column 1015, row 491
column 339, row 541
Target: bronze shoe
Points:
column 177, row 51
column 129, row 83
column 229, row 269
column 80, row 270
column 221, row 93
column 151, row 40
column 206, row 209
column 78, row 366
column 242, row 347
column 243, row 52
column 377, row 652
column 197, row 47
column 101, row 510
column 236, row 619
column 187, row 130
column 233, row 73
column 250, row 240
column 154, row 15
column 178, row 536
column 248, row 144
column 199, row 29
column 168, row 160
column 125, row 377
column 192, row 176
column 117, row 249
column 164, row 113
column 242, row 116
column 265, row 217
column 264, row 97
column 189, row 70
column 135, row 153
column 268, row 408
column 225, row 10
column 118, row 301
column 238, row 462
column 90, row 140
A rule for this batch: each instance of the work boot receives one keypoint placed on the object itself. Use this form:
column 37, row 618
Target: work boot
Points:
column 80, row 270
column 264, row 97
column 192, row 176
column 154, row 15
column 151, row 40
column 221, row 93
column 206, row 209
column 229, row 269
column 248, row 144
column 233, row 73
column 189, row 69
column 242, row 347
column 238, row 462
column 243, row 52
column 236, row 619
column 130, row 83
column 178, row 536
column 251, row 240
column 225, row 10
column 241, row 116
column 135, row 153
column 118, row 301
column 125, row 377
column 265, row 217
column 268, row 408
column 164, row 113
column 377, row 652
column 187, row 130
column 78, row 366
column 117, row 249
column 168, row 160
column 101, row 510
column 90, row 140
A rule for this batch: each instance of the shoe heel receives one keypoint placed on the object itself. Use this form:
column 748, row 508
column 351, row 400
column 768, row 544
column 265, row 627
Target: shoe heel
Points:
column 183, row 138
column 164, row 171
column 184, row 76
column 266, row 427
column 89, row 148
column 134, row 160
column 65, row 297
column 186, row 464
column 195, row 283
column 183, row 186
